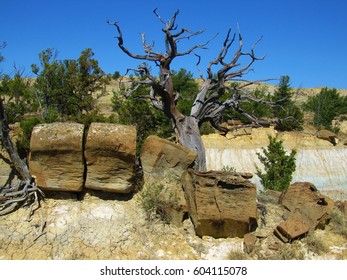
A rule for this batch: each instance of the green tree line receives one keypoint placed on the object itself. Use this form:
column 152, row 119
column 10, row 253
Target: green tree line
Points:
column 68, row 89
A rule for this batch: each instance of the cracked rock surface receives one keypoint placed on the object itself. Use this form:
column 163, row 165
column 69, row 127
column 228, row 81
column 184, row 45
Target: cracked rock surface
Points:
column 101, row 228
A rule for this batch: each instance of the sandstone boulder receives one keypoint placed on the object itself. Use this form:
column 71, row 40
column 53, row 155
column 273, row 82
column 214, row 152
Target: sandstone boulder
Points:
column 328, row 136
column 163, row 162
column 221, row 204
column 56, row 156
column 110, row 156
column 305, row 201
column 293, row 228
column 160, row 158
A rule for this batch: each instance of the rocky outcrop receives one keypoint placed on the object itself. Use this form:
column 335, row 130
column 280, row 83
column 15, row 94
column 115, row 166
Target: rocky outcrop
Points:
column 163, row 162
column 110, row 157
column 56, row 156
column 99, row 229
column 160, row 157
column 221, row 204
column 303, row 200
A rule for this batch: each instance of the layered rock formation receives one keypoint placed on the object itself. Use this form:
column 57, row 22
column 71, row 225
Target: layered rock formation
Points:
column 317, row 160
column 56, row 157
column 221, row 204
column 110, row 157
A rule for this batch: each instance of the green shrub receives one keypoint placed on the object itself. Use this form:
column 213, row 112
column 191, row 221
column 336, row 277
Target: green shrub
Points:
column 315, row 244
column 206, row 128
column 27, row 126
column 326, row 106
column 289, row 115
column 156, row 203
column 338, row 222
column 278, row 166
column 228, row 168
column 289, row 252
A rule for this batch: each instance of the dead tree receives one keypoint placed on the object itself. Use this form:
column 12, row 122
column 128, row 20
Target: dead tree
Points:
column 25, row 191
column 208, row 105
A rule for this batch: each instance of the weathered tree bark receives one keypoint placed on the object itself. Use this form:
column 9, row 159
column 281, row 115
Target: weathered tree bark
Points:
column 208, row 105
column 188, row 134
column 12, row 196
column 16, row 161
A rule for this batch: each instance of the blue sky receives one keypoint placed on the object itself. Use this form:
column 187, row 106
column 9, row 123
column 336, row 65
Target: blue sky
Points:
column 306, row 39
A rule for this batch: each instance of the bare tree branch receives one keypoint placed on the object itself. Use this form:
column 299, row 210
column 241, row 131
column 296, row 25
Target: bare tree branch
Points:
column 219, row 92
column 171, row 40
column 207, row 104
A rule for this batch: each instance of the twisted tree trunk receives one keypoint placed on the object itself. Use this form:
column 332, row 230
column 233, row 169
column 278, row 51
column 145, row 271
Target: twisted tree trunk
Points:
column 13, row 196
column 18, row 164
column 187, row 131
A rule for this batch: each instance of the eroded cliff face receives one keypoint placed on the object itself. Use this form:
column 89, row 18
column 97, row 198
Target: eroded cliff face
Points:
column 317, row 161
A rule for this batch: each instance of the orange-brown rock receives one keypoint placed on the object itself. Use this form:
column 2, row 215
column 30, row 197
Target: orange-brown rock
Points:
column 110, row 157
column 304, row 200
column 249, row 242
column 293, row 228
column 56, row 156
column 221, row 204
column 160, row 157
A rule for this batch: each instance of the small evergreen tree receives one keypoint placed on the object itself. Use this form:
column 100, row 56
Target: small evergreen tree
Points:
column 70, row 87
column 19, row 96
column 289, row 115
column 278, row 166
column 187, row 88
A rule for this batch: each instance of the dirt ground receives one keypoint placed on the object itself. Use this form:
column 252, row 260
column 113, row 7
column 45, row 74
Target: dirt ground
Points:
column 114, row 227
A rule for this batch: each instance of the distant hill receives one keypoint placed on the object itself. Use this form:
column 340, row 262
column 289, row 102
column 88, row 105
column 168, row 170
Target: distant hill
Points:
column 300, row 97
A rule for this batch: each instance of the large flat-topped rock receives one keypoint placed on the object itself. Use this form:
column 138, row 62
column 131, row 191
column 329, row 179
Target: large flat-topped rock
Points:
column 221, row 204
column 110, row 155
column 56, row 156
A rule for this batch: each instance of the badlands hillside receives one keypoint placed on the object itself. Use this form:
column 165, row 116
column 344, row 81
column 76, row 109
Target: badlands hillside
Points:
column 101, row 225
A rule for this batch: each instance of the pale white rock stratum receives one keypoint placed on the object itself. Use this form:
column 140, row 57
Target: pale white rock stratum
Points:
column 317, row 160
